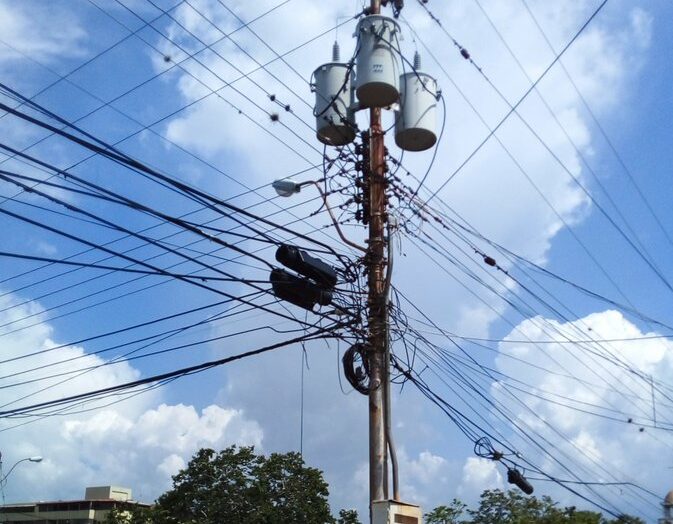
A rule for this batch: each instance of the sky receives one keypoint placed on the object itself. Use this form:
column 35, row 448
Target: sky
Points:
column 561, row 354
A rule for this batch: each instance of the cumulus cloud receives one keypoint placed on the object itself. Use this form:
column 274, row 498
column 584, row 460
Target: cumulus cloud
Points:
column 491, row 193
column 147, row 434
column 595, row 402
column 426, row 479
column 479, row 474
column 139, row 443
column 51, row 34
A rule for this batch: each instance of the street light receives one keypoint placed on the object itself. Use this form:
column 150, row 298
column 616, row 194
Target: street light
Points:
column 37, row 458
column 287, row 188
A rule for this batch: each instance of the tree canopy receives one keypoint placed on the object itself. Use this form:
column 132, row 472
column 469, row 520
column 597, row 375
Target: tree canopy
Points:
column 239, row 486
column 511, row 507
column 348, row 516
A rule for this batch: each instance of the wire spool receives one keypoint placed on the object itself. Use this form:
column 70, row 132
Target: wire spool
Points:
column 333, row 104
column 378, row 70
column 415, row 122
column 356, row 368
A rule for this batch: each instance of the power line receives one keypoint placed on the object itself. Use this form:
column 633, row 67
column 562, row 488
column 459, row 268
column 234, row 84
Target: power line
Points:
column 321, row 333
column 520, row 101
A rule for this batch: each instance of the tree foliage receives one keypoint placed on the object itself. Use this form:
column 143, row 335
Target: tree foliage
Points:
column 348, row 516
column 499, row 507
column 511, row 507
column 136, row 515
column 446, row 514
column 237, row 485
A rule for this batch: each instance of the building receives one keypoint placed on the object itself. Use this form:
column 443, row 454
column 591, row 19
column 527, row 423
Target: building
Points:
column 97, row 503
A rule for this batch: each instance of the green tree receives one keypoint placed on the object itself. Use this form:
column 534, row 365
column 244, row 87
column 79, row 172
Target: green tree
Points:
column 288, row 491
column 511, row 507
column 446, row 514
column 132, row 516
column 348, row 516
column 236, row 485
column 625, row 519
column 582, row 517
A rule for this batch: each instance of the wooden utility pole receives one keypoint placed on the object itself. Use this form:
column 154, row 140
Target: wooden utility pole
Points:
column 377, row 306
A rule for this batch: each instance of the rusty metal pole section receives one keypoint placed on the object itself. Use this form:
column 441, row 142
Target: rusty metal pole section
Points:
column 376, row 261
column 378, row 464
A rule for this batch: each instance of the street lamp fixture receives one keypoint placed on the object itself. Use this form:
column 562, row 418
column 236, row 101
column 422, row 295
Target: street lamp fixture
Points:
column 36, row 458
column 287, row 188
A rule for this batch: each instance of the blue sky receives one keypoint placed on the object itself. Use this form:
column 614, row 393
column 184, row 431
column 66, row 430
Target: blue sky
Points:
column 226, row 144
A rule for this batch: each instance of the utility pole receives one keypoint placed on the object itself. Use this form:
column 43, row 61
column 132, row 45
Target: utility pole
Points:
column 377, row 306
column 380, row 83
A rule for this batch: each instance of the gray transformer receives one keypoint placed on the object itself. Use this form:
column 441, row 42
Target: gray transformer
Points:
column 378, row 67
column 415, row 122
column 333, row 104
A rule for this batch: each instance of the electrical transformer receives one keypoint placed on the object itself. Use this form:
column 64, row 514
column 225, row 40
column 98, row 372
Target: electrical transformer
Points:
column 378, row 70
column 333, row 104
column 415, row 122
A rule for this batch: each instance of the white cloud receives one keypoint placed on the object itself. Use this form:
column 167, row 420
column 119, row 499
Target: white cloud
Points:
column 595, row 389
column 138, row 443
column 171, row 465
column 426, row 479
column 491, row 193
column 479, row 474
column 47, row 35
column 152, row 436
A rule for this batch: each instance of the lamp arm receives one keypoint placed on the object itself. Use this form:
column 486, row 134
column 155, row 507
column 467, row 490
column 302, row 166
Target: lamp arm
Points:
column 4, row 479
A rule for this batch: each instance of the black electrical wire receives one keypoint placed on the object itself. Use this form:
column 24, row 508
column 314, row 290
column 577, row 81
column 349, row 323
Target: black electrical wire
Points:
column 602, row 131
column 126, row 356
column 511, row 420
column 137, row 166
column 119, row 331
column 520, row 101
column 146, row 127
column 595, row 177
column 543, row 394
column 118, row 199
column 487, row 304
column 218, row 76
column 636, row 245
column 436, row 399
column 472, row 359
column 136, row 261
column 99, row 303
column 463, row 227
column 319, row 334
column 183, row 217
column 610, row 356
column 628, row 308
column 203, row 278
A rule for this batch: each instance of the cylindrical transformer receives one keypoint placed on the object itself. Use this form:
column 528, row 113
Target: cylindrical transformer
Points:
column 378, row 70
column 415, row 121
column 333, row 104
